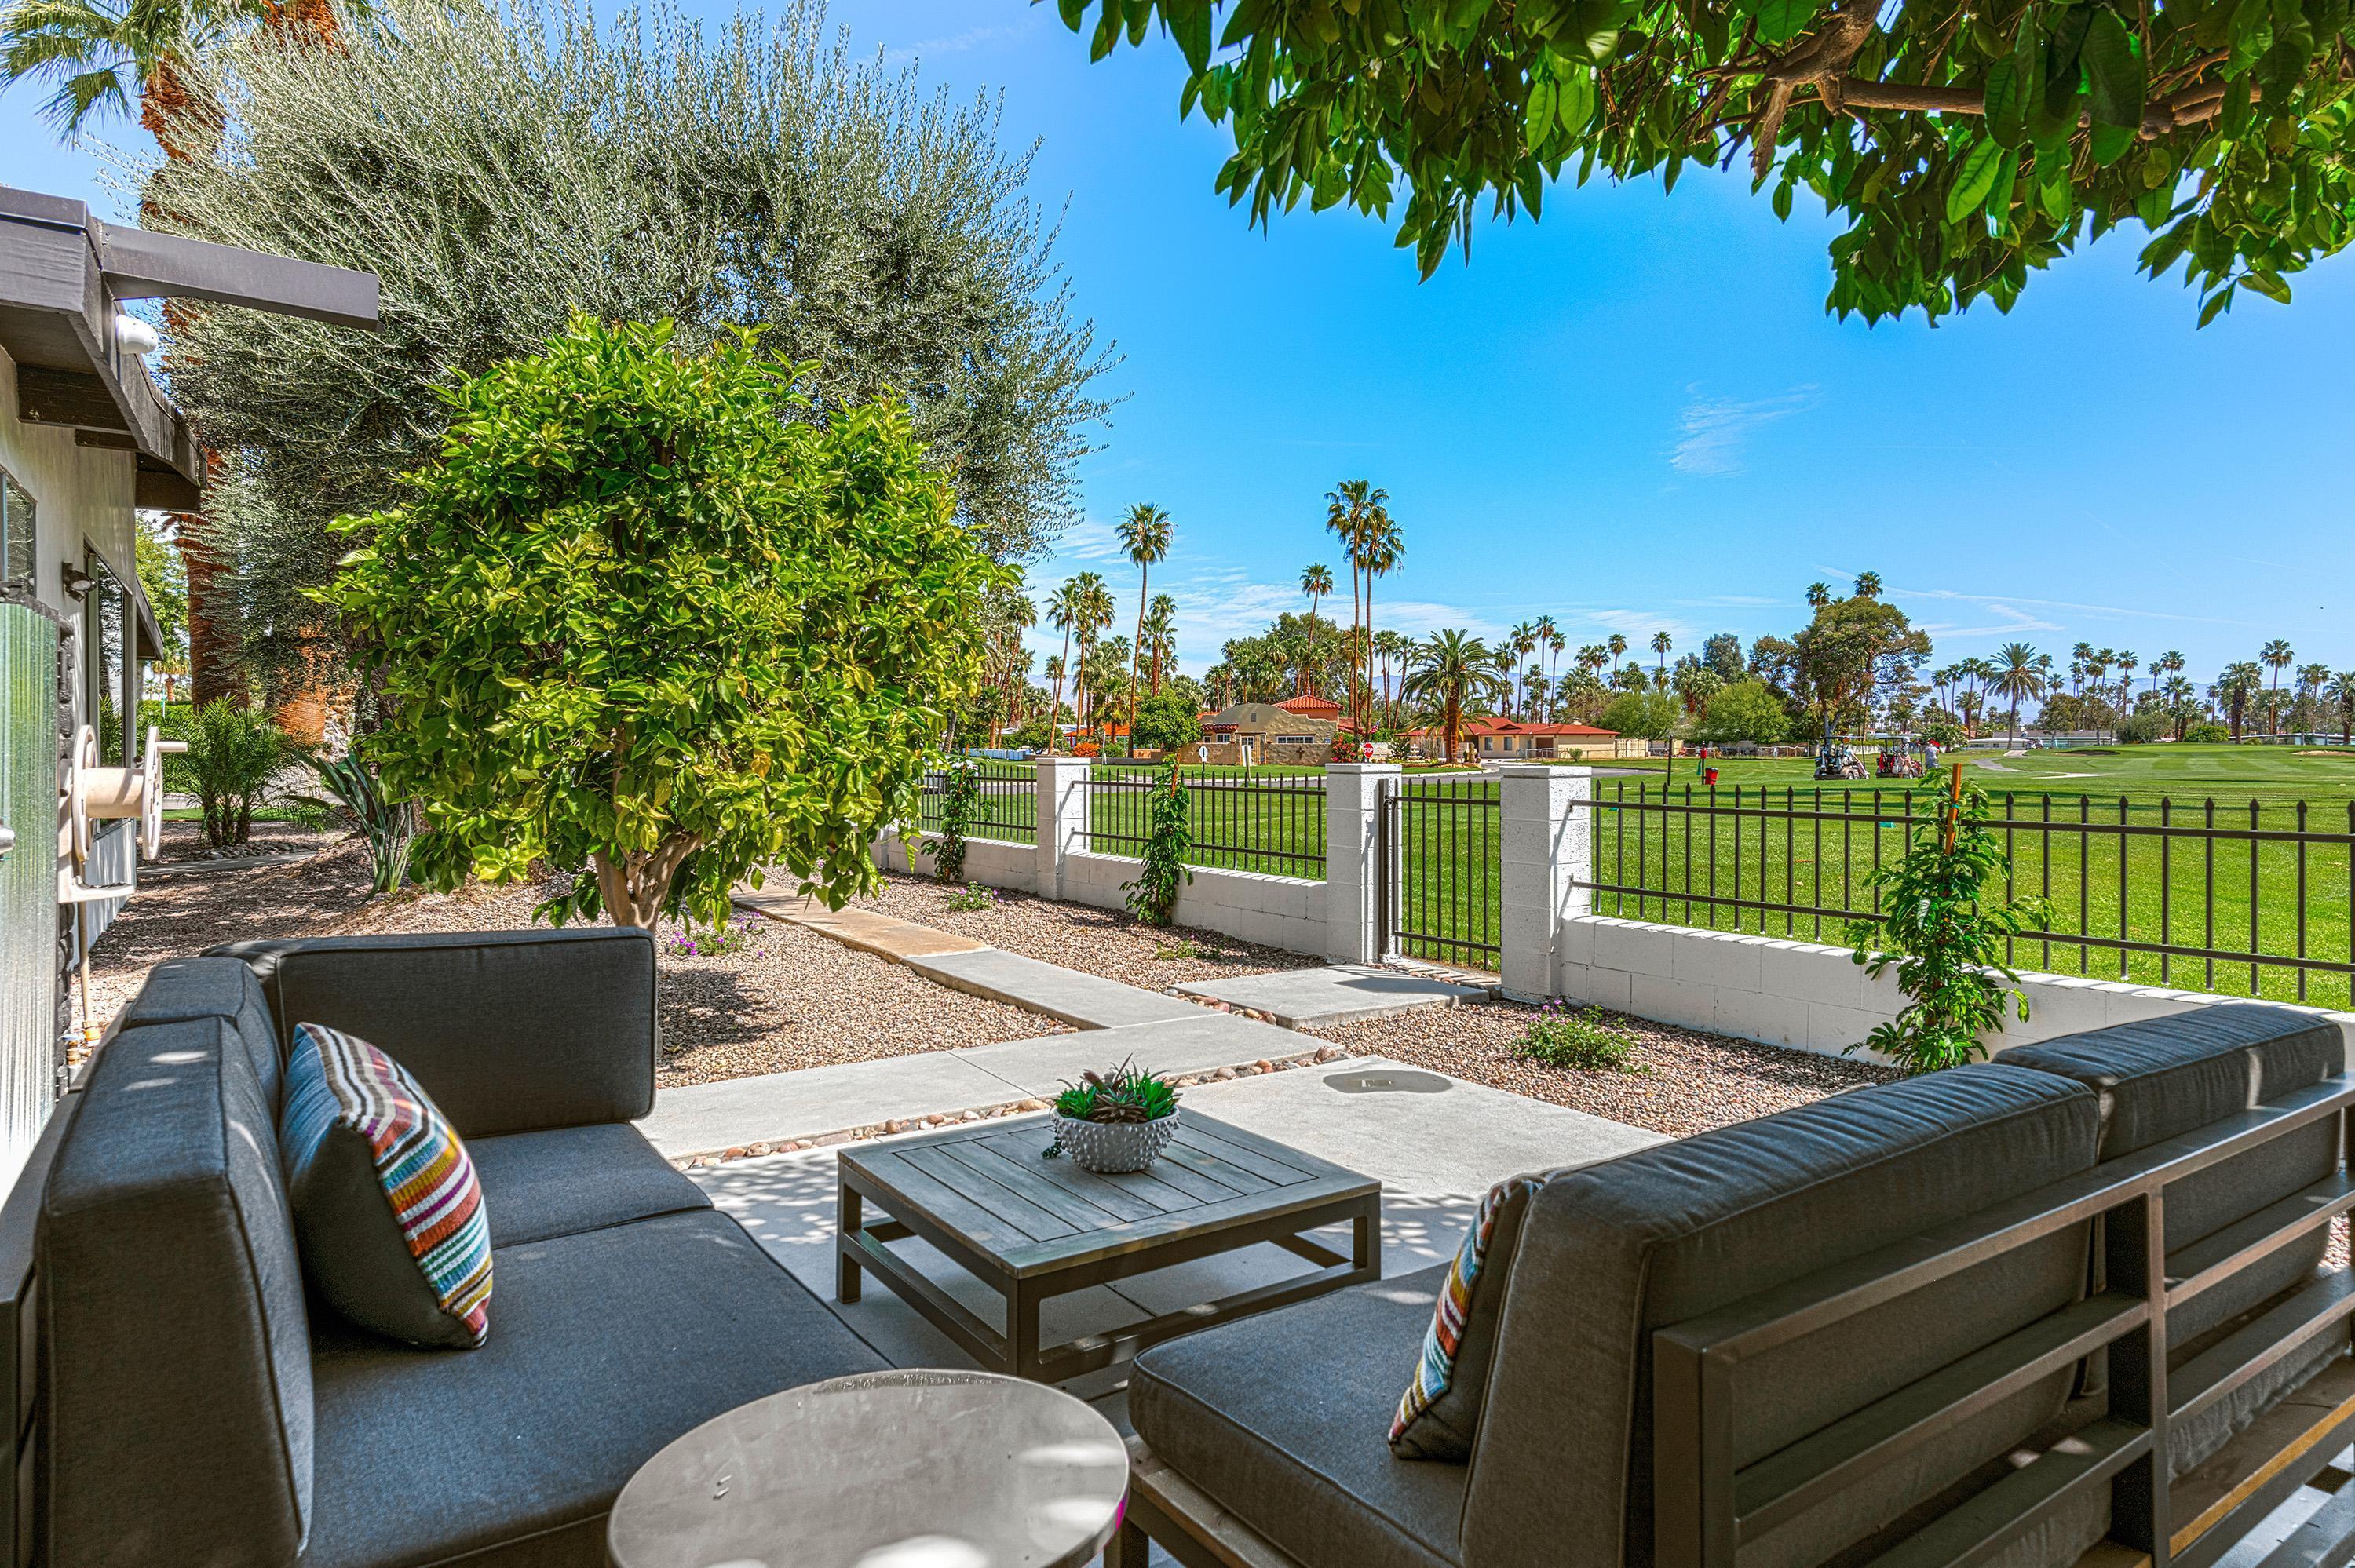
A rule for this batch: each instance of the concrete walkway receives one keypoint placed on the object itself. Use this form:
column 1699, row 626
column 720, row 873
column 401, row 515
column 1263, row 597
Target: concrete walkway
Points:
column 885, row 936
column 1344, row 993
column 1082, row 1000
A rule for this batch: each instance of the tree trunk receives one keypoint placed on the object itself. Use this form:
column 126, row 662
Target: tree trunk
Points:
column 212, row 646
column 634, row 886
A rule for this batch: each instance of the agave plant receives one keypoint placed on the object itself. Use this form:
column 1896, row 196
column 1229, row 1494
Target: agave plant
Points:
column 358, row 797
column 1124, row 1093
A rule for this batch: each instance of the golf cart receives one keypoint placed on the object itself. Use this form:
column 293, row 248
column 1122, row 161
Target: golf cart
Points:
column 1835, row 760
column 1904, row 757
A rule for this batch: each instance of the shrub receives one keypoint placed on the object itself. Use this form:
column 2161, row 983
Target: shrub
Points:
column 2208, row 735
column 2142, row 728
column 647, row 621
column 356, row 796
column 960, row 804
column 716, row 942
column 1945, row 930
column 1167, row 840
column 972, row 898
column 1579, row 1040
column 234, row 751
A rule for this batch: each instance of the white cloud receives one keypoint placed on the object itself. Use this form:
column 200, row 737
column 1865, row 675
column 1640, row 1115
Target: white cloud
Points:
column 955, row 44
column 1714, row 430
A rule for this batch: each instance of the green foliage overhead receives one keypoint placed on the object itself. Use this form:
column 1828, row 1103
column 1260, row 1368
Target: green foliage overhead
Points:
column 646, row 622
column 1962, row 142
column 1945, row 930
column 1745, row 710
column 516, row 162
column 1167, row 719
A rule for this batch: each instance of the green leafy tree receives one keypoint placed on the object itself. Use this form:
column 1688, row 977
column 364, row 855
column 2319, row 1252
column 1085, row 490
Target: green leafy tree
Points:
column 647, row 622
column 1745, row 710
column 1166, row 720
column 1962, row 145
column 1648, row 716
column 516, row 162
column 1945, row 930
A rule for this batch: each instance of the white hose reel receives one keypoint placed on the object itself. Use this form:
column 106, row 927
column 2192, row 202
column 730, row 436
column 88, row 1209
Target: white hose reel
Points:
column 101, row 794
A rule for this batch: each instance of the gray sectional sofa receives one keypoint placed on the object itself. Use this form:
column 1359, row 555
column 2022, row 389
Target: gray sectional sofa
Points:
column 180, row 1402
column 1903, row 1325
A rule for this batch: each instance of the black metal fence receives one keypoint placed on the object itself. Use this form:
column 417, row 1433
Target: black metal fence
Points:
column 2248, row 899
column 1267, row 821
column 1007, row 804
column 1440, row 845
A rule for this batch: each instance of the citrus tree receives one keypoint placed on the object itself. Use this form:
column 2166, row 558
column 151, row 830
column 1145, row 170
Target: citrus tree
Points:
column 650, row 622
column 1964, row 143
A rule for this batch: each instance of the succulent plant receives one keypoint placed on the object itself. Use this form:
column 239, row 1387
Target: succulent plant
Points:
column 1126, row 1092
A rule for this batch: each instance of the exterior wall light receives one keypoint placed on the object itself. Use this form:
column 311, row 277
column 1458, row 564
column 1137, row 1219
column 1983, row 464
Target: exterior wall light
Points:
column 77, row 582
column 134, row 335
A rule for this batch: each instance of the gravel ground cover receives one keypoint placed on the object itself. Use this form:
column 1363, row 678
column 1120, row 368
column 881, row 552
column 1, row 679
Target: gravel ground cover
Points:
column 1688, row 1081
column 1106, row 942
column 779, row 999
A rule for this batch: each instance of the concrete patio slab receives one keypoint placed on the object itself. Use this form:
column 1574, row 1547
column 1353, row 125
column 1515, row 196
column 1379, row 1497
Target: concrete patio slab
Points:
column 1200, row 1041
column 1082, row 1000
column 1344, row 993
column 707, row 1118
column 885, row 936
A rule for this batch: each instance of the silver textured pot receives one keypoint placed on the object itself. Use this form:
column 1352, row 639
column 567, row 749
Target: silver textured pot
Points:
column 1110, row 1148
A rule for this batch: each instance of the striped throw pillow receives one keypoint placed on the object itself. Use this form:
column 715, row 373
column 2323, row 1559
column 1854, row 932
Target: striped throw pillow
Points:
column 1440, row 1411
column 388, row 1213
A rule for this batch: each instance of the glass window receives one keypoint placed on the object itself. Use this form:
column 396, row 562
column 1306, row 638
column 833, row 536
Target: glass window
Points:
column 106, row 622
column 15, row 533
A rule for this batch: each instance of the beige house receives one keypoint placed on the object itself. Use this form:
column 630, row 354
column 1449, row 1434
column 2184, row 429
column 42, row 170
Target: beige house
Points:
column 1299, row 730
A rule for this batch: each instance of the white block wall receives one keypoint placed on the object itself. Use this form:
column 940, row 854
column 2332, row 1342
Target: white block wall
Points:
column 1811, row 996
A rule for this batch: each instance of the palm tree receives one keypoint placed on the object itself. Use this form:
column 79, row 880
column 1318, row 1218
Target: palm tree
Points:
column 1450, row 671
column 1818, row 594
column 1066, row 611
column 1521, row 641
column 1661, row 643
column 89, row 48
column 1867, row 585
column 1381, row 552
column 1144, row 534
column 2018, row 674
column 2340, row 689
column 2235, row 683
column 1054, row 673
column 2276, row 656
column 1617, row 645
column 1315, row 582
column 1161, row 637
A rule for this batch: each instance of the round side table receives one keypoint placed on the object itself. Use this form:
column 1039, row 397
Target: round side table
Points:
column 896, row 1470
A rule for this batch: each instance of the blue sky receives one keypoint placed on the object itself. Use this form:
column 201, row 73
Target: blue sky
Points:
column 1635, row 415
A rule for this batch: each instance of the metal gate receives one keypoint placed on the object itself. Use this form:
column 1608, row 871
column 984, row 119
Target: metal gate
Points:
column 28, row 879
column 1441, row 846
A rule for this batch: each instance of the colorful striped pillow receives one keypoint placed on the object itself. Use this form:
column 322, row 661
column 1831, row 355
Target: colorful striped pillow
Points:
column 1440, row 1411
column 388, row 1213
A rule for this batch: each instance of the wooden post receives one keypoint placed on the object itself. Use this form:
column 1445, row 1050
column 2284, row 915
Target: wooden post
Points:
column 1953, row 805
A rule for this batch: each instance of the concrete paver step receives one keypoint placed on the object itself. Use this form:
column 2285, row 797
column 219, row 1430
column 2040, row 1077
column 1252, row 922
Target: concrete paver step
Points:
column 885, row 936
column 1344, row 993
column 1082, row 1000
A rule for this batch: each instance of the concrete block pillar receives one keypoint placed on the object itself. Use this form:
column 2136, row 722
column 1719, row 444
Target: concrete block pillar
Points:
column 1547, row 833
column 1063, row 817
column 1353, row 868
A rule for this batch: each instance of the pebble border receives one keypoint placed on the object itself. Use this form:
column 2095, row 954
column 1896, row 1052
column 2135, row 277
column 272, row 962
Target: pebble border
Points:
column 1027, row 1107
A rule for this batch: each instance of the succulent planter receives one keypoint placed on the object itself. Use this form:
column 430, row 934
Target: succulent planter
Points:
column 1112, row 1148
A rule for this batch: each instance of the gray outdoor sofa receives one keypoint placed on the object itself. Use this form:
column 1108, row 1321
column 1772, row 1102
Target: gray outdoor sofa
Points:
column 1902, row 1326
column 178, row 1403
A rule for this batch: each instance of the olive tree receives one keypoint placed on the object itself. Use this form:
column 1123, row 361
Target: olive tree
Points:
column 647, row 621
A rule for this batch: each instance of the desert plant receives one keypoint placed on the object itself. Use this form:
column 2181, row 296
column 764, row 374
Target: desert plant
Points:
column 1126, row 1092
column 973, row 898
column 356, row 795
column 1168, row 839
column 1562, row 1037
column 1943, row 933
column 234, row 751
column 649, row 621
column 960, row 805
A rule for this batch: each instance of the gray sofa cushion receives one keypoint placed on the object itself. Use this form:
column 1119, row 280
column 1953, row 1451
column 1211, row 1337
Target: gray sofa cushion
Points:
column 180, row 989
column 2161, row 1078
column 177, row 1363
column 610, row 1343
column 509, row 1031
column 1562, row 1471
column 539, row 1185
column 1285, row 1418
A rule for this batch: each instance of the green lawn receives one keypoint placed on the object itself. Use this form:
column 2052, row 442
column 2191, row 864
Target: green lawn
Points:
column 2235, row 774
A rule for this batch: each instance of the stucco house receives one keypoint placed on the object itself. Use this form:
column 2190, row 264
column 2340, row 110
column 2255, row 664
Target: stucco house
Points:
column 1296, row 730
column 88, row 441
column 1491, row 739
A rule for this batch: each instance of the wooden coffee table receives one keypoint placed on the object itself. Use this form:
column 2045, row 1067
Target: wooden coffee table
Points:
column 1031, row 1227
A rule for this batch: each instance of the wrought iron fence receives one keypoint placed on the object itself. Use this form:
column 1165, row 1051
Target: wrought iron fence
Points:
column 1008, row 808
column 1440, row 849
column 1270, row 819
column 2249, row 898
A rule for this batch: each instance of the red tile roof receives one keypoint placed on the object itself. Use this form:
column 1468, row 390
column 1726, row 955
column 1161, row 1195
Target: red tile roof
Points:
column 1308, row 707
column 1489, row 725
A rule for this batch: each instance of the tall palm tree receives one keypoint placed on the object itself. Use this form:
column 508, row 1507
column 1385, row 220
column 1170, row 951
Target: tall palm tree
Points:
column 2276, row 656
column 1555, row 644
column 1315, row 582
column 1661, row 643
column 2018, row 674
column 1053, row 671
column 1818, row 594
column 1618, row 646
column 1451, row 671
column 2340, row 689
column 1523, row 642
column 101, row 55
column 1348, row 507
column 1144, row 534
column 1067, row 611
column 1383, row 545
column 1867, row 585
column 2235, row 683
